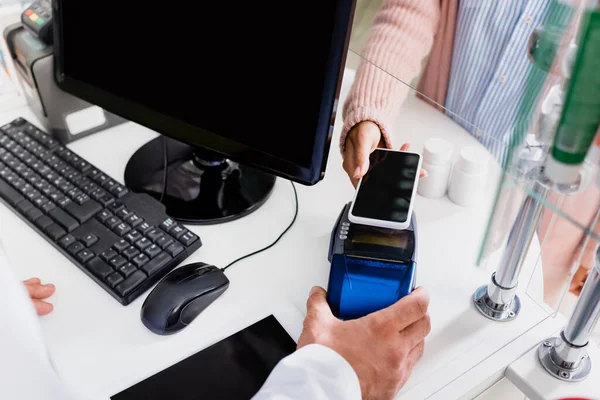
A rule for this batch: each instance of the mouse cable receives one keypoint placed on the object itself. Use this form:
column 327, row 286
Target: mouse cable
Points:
column 165, row 164
column 276, row 240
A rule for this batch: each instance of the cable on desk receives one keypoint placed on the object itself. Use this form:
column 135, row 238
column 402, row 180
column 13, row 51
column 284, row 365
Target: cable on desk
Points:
column 276, row 240
column 165, row 164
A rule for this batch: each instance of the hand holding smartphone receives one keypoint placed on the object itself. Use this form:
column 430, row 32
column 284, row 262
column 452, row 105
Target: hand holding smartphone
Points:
column 384, row 196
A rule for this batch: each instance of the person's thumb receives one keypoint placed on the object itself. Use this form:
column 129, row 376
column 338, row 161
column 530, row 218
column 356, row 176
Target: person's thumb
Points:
column 361, row 156
column 316, row 306
column 366, row 141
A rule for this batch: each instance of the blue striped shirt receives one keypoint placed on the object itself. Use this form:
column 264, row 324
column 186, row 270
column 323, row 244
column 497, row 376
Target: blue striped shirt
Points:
column 490, row 66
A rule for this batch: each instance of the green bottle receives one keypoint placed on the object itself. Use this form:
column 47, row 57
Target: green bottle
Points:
column 580, row 116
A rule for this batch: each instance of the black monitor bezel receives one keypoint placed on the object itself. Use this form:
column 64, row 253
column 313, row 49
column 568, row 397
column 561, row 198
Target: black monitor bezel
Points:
column 231, row 149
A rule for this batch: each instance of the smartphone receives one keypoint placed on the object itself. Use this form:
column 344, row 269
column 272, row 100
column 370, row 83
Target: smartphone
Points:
column 385, row 195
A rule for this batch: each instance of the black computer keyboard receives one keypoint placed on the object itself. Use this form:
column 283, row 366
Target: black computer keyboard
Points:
column 122, row 240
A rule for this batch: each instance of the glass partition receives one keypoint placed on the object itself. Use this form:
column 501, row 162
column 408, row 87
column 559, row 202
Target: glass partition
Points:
column 450, row 232
column 499, row 72
column 483, row 62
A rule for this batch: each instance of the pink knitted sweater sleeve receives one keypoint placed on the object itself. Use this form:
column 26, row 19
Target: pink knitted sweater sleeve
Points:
column 401, row 37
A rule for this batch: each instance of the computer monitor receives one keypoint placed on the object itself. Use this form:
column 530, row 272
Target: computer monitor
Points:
column 242, row 92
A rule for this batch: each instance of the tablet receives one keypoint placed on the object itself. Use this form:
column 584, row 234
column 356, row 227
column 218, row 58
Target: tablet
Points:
column 233, row 368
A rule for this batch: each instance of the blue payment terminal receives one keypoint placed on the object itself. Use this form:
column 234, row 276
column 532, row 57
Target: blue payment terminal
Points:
column 371, row 267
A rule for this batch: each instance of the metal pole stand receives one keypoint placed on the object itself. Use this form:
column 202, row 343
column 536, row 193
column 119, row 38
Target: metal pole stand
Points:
column 498, row 300
column 565, row 357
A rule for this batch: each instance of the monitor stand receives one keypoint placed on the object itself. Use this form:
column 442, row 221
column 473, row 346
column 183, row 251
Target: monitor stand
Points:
column 202, row 186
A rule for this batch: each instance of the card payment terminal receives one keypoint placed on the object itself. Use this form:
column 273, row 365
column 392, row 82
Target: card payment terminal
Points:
column 371, row 267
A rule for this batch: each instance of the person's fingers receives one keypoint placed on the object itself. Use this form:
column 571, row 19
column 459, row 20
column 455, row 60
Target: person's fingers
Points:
column 361, row 151
column 365, row 138
column 42, row 307
column 38, row 291
column 349, row 163
column 316, row 305
column 416, row 332
column 405, row 147
column 405, row 311
column 415, row 354
column 32, row 280
column 423, row 174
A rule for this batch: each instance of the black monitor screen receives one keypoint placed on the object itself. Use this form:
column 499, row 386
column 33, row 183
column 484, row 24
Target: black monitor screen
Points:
column 234, row 368
column 255, row 73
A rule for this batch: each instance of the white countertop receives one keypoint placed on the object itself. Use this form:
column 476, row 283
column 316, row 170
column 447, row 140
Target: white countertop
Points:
column 104, row 347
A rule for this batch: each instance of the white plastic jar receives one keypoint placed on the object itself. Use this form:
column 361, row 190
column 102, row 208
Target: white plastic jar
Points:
column 469, row 176
column 437, row 161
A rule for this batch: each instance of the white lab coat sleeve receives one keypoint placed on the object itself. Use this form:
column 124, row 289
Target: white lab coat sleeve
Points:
column 313, row 372
column 26, row 369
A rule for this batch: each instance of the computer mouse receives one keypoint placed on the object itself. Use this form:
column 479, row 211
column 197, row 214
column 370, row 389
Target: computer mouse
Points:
column 181, row 296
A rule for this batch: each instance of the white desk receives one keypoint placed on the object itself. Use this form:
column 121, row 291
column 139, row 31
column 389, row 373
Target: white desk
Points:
column 104, row 347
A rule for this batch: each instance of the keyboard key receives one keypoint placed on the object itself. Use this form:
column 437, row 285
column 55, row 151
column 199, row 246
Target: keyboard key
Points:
column 168, row 224
column 143, row 228
column 73, row 193
column 106, row 199
column 133, row 220
column 46, row 208
column 82, row 199
column 103, row 215
column 157, row 263
column 55, row 232
column 188, row 238
column 75, row 248
column 40, row 201
column 89, row 239
column 119, row 191
column 130, row 253
column 117, row 261
column 83, row 212
column 164, row 241
column 63, row 202
column 127, row 269
column 111, row 222
column 101, row 178
column 108, row 254
column 43, row 222
column 114, row 279
column 155, row 234
column 122, row 213
column 129, row 284
column 175, row 249
column 94, row 173
column 121, row 229
column 133, row 236
column 109, row 184
column 84, row 256
column 99, row 268
column 178, row 231
column 152, row 250
column 121, row 245
column 67, row 241
column 9, row 194
column 83, row 166
column 140, row 260
column 64, row 219
column 143, row 243
column 24, row 206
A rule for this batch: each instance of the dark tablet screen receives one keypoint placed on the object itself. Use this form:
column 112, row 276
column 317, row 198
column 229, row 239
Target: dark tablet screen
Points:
column 234, row 368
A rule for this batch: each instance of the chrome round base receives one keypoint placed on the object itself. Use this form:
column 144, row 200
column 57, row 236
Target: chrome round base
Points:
column 564, row 374
column 493, row 311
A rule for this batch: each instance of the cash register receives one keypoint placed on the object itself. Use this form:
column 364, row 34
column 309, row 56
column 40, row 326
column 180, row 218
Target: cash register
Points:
column 31, row 47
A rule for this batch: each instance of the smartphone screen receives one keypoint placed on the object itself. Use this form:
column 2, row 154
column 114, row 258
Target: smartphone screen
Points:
column 385, row 192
